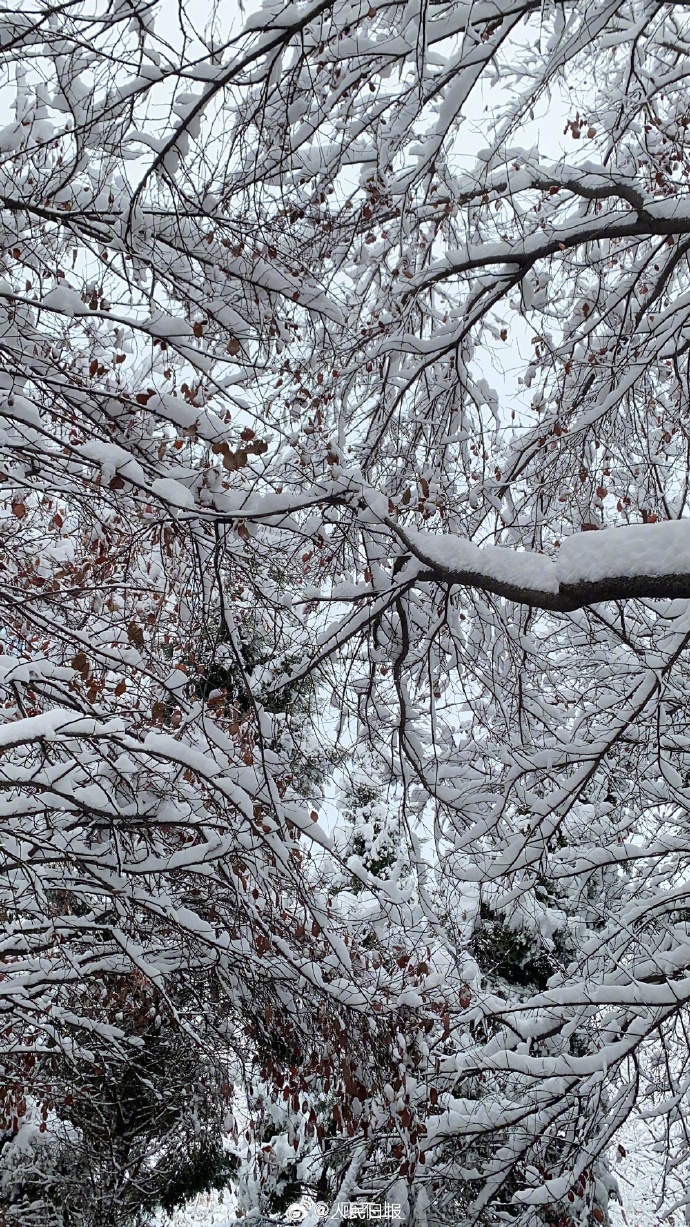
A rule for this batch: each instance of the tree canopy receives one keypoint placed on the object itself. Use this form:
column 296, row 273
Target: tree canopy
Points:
column 344, row 484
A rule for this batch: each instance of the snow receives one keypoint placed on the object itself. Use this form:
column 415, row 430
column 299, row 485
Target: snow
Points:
column 172, row 491
column 59, row 721
column 634, row 551
column 639, row 1176
column 533, row 722
column 168, row 327
column 498, row 563
column 64, row 300
column 10, row 137
column 205, row 1210
column 113, row 459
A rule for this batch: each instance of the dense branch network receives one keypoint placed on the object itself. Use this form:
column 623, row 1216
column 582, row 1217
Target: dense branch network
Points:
column 344, row 455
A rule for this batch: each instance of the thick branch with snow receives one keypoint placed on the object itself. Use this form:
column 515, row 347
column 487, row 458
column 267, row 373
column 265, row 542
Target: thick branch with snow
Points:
column 641, row 561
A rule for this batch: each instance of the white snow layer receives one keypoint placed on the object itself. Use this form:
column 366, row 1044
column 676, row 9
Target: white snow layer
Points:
column 634, row 551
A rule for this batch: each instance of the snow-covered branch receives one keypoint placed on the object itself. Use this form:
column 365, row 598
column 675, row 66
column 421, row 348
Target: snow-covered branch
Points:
column 640, row 561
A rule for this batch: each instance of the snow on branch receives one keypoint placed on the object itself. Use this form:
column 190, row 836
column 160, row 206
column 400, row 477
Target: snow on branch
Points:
column 641, row 560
